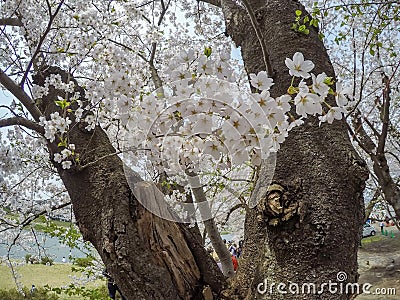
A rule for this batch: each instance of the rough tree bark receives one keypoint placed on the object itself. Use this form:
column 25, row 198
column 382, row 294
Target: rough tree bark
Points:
column 318, row 174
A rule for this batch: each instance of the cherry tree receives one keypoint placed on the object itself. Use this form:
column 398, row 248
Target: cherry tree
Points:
column 366, row 29
column 83, row 76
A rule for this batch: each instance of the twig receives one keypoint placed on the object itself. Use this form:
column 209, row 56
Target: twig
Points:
column 264, row 50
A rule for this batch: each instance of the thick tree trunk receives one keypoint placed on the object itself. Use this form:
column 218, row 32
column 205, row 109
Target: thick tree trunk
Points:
column 149, row 258
column 317, row 171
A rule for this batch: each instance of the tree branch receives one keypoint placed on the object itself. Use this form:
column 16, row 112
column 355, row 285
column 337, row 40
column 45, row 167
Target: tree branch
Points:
column 216, row 3
column 371, row 126
column 22, row 122
column 359, row 4
column 254, row 23
column 20, row 94
column 384, row 116
column 10, row 22
column 28, row 220
column 154, row 73
column 359, row 134
column 375, row 199
column 385, row 111
column 233, row 209
column 42, row 38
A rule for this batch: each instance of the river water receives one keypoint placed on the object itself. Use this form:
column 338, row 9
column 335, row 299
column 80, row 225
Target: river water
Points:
column 49, row 246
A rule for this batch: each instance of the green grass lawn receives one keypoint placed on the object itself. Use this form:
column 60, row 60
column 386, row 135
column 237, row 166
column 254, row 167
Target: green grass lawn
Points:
column 41, row 275
column 372, row 239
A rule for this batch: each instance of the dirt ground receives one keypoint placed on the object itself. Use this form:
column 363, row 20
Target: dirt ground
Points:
column 379, row 264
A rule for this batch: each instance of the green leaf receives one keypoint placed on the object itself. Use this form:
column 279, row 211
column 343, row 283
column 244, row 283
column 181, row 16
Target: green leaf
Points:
column 314, row 22
column 63, row 142
column 306, row 19
column 302, row 28
column 317, row 11
column 298, row 13
column 372, row 51
column 63, row 103
column 207, row 51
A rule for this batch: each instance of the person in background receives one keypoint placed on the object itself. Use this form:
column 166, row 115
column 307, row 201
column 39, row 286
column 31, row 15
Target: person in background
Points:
column 239, row 249
column 235, row 263
column 219, row 263
column 382, row 224
column 233, row 249
column 112, row 286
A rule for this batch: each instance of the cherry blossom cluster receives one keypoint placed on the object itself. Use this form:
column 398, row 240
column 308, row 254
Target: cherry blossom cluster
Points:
column 54, row 80
column 203, row 116
column 64, row 156
column 310, row 99
column 56, row 125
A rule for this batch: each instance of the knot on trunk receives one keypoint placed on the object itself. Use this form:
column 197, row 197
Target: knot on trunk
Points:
column 280, row 204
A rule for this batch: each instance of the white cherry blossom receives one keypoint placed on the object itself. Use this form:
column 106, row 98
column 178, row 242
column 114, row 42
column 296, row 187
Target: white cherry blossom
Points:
column 342, row 94
column 261, row 81
column 298, row 66
column 319, row 86
column 308, row 103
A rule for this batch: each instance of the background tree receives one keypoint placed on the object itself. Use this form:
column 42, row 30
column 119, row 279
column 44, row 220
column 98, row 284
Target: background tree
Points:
column 367, row 30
